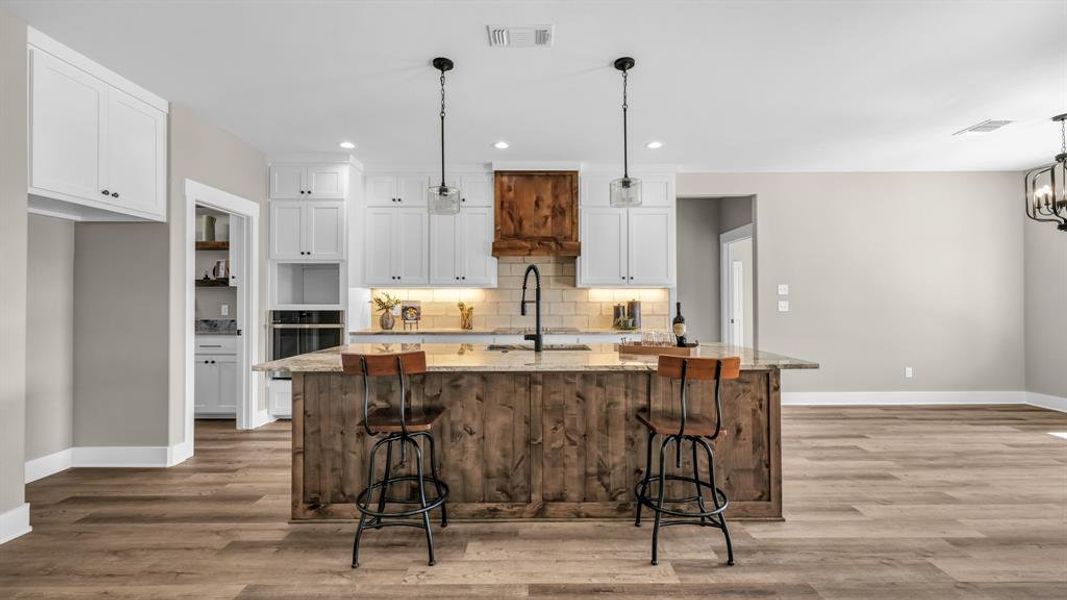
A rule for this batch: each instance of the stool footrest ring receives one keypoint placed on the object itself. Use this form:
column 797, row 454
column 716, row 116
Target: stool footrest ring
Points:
column 362, row 501
column 641, row 493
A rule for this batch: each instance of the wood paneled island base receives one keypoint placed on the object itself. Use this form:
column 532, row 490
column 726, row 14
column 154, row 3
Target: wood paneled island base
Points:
column 533, row 440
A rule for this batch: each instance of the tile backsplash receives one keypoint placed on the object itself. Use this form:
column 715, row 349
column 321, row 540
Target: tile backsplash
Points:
column 563, row 305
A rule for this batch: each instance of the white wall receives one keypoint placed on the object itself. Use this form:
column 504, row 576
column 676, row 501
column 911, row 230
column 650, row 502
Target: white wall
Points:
column 888, row 270
column 50, row 337
column 13, row 185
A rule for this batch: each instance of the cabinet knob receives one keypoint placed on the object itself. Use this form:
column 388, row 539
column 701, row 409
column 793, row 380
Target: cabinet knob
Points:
column 114, row 194
column 464, row 278
column 105, row 192
column 462, row 199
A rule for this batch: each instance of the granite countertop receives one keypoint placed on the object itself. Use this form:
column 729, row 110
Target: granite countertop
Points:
column 496, row 331
column 478, row 358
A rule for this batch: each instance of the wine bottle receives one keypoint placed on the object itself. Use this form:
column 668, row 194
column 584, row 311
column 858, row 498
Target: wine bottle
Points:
column 678, row 325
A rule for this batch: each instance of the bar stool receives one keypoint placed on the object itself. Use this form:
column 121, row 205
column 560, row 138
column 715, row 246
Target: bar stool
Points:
column 401, row 425
column 679, row 428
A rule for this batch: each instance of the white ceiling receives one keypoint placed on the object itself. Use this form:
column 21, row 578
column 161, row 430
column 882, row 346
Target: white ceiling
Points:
column 727, row 86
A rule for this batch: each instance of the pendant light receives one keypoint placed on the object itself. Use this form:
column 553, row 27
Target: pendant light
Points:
column 625, row 191
column 442, row 199
column 1046, row 186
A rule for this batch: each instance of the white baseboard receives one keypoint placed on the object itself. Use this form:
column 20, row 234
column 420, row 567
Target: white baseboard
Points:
column 42, row 467
column 262, row 417
column 1046, row 401
column 179, row 453
column 121, row 456
column 900, row 398
column 15, row 523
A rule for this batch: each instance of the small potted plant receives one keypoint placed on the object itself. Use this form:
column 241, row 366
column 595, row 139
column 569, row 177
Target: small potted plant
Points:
column 386, row 302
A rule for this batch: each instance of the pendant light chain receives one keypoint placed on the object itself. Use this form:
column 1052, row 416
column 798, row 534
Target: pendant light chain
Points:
column 1063, row 137
column 442, row 129
column 625, row 140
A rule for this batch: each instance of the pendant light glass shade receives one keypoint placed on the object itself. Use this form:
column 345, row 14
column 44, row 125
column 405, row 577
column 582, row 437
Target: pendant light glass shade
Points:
column 442, row 199
column 625, row 191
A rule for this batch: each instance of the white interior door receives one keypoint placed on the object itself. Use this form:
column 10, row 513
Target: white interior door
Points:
column 738, row 284
column 737, row 302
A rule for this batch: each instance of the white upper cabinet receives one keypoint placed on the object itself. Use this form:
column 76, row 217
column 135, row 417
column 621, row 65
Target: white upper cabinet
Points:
column 412, row 241
column 307, row 230
column 98, row 143
column 379, row 239
column 651, row 240
column 460, row 248
column 624, row 247
column 444, row 246
column 604, row 247
column 476, row 190
column 396, row 249
column 308, row 182
column 404, row 189
column 380, row 190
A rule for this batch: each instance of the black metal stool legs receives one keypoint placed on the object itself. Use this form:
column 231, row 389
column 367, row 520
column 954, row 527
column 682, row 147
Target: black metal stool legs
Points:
column 374, row 518
column 702, row 515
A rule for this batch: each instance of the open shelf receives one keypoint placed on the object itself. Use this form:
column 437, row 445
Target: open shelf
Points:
column 212, row 283
column 213, row 245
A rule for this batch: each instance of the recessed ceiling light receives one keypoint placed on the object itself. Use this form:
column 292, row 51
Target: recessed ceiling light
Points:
column 654, row 145
column 347, row 145
column 501, row 145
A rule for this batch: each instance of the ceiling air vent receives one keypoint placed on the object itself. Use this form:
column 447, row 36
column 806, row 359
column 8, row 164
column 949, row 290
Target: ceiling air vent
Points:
column 527, row 36
column 984, row 127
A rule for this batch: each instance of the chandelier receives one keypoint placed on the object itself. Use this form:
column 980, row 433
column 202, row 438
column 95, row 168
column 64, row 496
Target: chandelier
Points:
column 1046, row 187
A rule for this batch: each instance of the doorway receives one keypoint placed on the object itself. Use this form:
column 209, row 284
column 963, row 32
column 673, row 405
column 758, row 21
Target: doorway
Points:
column 737, row 284
column 233, row 264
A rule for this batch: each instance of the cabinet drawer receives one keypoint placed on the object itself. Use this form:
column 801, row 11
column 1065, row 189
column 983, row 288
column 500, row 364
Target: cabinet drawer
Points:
column 216, row 344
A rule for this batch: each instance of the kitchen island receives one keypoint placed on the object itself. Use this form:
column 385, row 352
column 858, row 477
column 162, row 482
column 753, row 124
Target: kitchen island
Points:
column 552, row 435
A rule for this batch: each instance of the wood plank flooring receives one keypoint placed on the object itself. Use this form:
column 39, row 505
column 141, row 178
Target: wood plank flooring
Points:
column 881, row 502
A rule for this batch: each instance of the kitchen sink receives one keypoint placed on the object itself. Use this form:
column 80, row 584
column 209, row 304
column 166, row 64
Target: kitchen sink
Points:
column 529, row 347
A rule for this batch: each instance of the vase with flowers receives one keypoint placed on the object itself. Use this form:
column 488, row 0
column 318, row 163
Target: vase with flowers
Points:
column 466, row 316
column 386, row 302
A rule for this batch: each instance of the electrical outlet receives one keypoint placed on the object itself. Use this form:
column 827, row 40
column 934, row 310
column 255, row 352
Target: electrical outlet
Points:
column 225, row 310
column 907, row 372
column 783, row 306
column 783, row 289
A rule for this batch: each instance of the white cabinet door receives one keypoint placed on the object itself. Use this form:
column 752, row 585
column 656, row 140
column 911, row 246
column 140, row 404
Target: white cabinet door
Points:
column 325, row 230
column 280, row 392
column 411, row 189
column 287, row 230
column 379, row 239
column 477, row 266
column 410, row 246
column 380, row 190
column 66, row 121
column 445, row 242
column 287, row 182
column 226, row 367
column 476, row 190
column 206, row 384
column 136, row 154
column 595, row 190
column 657, row 191
column 604, row 256
column 651, row 233
column 326, row 182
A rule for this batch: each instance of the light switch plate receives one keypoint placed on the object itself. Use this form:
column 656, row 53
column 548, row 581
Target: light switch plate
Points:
column 225, row 310
column 783, row 289
column 907, row 372
column 783, row 306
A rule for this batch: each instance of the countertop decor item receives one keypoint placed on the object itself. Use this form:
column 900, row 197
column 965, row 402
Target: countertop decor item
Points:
column 443, row 199
column 386, row 302
column 1046, row 186
column 411, row 314
column 466, row 316
column 625, row 191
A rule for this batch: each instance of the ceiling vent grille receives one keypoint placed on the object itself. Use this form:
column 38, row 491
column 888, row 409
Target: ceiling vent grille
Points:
column 526, row 36
column 984, row 127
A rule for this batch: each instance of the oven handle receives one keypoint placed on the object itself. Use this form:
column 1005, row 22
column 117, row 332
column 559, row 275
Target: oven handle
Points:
column 307, row 326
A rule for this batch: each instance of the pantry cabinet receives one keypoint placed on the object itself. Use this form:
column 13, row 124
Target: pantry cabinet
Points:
column 301, row 230
column 98, row 152
column 308, row 182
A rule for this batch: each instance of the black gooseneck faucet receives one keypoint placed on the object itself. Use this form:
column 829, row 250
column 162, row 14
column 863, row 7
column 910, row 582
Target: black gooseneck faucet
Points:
column 537, row 338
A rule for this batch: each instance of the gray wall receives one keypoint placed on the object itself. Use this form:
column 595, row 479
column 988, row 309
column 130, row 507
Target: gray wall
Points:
column 212, row 156
column 1046, row 306
column 120, row 334
column 50, row 337
column 888, row 270
column 13, row 187
column 698, row 267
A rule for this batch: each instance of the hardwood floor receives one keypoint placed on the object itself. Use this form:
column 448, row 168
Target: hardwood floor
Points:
column 881, row 502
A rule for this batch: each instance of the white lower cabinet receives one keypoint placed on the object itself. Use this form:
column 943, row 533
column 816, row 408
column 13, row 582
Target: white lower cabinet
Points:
column 280, row 398
column 215, row 381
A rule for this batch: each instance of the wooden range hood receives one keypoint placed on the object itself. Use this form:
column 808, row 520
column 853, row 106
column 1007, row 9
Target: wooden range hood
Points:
column 536, row 213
